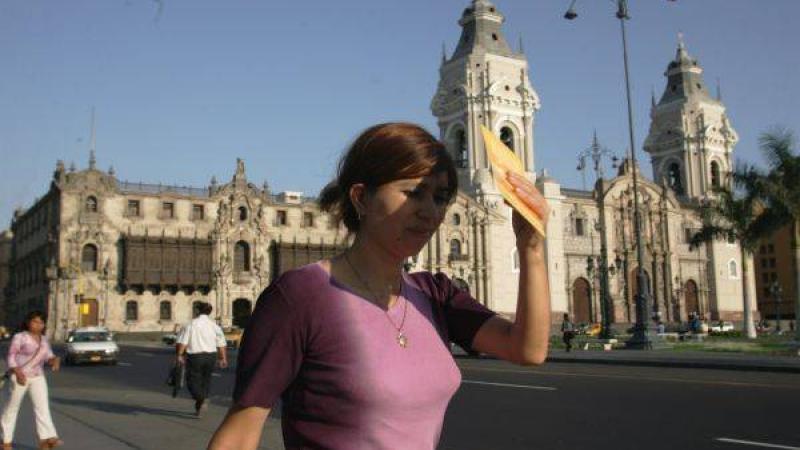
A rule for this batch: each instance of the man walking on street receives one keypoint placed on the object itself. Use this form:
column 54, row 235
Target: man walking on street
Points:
column 199, row 345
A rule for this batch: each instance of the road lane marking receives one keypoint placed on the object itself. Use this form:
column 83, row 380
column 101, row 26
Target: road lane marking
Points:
column 215, row 375
column 521, row 386
column 639, row 378
column 124, row 364
column 756, row 444
column 144, row 354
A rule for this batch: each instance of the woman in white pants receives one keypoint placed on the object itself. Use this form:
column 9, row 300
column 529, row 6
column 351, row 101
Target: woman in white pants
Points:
column 28, row 353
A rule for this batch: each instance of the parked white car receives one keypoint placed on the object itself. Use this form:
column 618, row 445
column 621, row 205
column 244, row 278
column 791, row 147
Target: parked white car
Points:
column 721, row 326
column 91, row 345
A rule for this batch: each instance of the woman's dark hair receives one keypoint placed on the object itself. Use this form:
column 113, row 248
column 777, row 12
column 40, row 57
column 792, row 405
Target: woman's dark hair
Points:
column 30, row 316
column 381, row 154
column 204, row 308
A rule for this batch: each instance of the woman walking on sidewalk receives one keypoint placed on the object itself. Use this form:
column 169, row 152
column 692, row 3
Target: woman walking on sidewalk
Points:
column 27, row 355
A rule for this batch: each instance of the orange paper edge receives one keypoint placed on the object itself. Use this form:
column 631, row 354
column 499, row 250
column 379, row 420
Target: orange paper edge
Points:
column 503, row 160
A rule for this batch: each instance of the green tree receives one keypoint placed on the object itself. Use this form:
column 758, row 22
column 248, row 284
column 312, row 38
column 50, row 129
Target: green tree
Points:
column 732, row 216
column 778, row 190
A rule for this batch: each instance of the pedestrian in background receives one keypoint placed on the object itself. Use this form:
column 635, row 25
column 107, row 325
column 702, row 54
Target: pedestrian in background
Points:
column 567, row 332
column 28, row 353
column 200, row 345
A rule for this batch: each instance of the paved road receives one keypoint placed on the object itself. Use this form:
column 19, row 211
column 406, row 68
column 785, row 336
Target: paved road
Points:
column 499, row 406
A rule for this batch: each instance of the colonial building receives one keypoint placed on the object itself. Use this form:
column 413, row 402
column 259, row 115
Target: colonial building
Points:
column 776, row 265
column 136, row 257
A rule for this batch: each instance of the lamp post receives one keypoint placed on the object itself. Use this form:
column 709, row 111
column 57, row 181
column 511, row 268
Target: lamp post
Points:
column 641, row 330
column 776, row 291
column 596, row 152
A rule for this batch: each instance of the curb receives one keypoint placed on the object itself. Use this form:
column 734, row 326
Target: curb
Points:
column 721, row 365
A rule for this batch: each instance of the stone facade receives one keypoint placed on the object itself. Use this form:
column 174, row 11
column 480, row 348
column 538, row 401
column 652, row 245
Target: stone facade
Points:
column 135, row 257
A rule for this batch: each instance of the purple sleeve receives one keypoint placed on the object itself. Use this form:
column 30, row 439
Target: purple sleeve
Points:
column 272, row 350
column 13, row 349
column 463, row 314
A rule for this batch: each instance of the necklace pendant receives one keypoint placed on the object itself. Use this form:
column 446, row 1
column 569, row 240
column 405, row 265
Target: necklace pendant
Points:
column 402, row 340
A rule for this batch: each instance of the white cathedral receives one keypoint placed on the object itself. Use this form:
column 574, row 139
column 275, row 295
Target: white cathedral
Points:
column 690, row 143
column 138, row 257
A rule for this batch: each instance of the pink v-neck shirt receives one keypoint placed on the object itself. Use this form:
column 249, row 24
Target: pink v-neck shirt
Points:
column 334, row 360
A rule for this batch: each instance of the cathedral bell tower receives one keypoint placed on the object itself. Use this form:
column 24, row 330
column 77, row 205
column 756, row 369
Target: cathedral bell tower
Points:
column 691, row 139
column 484, row 83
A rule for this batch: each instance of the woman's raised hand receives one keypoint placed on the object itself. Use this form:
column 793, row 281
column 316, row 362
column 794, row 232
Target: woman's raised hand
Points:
column 527, row 193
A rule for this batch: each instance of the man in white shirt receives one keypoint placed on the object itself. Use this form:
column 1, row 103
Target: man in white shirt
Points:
column 199, row 345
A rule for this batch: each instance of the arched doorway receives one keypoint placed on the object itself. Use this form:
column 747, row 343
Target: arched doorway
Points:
column 581, row 301
column 88, row 313
column 242, row 308
column 692, row 302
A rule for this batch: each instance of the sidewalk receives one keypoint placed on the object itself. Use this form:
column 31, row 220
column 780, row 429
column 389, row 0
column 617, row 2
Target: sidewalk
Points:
column 683, row 359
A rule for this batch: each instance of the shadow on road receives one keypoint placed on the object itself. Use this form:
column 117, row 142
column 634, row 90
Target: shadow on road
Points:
column 120, row 408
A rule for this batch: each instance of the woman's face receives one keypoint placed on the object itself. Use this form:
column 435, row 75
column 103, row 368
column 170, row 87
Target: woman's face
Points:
column 402, row 215
column 36, row 325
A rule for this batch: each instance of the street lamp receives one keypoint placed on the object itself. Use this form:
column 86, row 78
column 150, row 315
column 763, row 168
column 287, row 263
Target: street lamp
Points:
column 776, row 291
column 596, row 152
column 641, row 332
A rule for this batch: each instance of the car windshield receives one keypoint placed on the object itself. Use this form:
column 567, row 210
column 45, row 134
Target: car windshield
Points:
column 98, row 336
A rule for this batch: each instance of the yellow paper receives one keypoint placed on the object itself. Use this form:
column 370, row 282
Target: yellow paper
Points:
column 503, row 160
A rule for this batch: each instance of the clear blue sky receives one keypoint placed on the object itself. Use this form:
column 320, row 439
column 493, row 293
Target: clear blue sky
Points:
column 183, row 87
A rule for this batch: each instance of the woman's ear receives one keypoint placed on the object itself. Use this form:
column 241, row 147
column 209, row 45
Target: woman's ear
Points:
column 358, row 193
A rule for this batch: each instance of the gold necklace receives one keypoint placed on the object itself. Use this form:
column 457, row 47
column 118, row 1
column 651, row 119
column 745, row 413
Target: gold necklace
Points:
column 401, row 338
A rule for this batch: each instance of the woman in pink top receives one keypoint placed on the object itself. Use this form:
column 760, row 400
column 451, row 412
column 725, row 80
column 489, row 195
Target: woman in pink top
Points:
column 28, row 353
column 358, row 350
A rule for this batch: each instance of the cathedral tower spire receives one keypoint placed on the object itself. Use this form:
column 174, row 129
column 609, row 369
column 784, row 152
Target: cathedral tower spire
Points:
column 690, row 140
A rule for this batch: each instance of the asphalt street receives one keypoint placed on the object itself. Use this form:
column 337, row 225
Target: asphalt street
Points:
column 499, row 406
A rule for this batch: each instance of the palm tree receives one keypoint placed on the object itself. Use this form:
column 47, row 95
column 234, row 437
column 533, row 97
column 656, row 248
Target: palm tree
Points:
column 737, row 217
column 779, row 192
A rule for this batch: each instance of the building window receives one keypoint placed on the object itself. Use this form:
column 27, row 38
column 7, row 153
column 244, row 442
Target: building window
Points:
column 134, row 208
column 462, row 156
column 579, row 226
column 688, row 233
column 507, row 136
column 772, row 263
column 131, row 311
column 308, row 219
column 198, row 212
column 674, row 178
column 456, row 219
column 167, row 210
column 455, row 247
column 765, row 277
column 762, row 249
column 771, row 248
column 89, row 258
column 91, row 204
column 242, row 213
column 715, row 174
column 241, row 257
column 733, row 269
column 280, row 218
column 165, row 310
